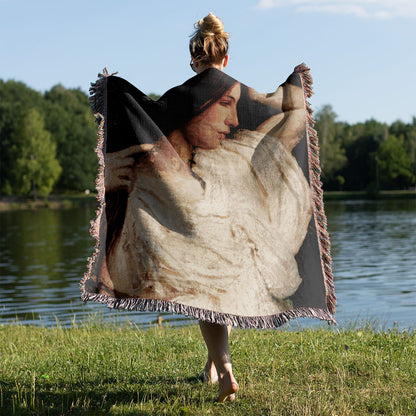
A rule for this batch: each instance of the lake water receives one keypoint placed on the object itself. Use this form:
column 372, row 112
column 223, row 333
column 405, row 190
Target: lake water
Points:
column 43, row 257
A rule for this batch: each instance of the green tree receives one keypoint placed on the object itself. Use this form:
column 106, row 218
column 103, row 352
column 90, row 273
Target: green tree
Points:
column 35, row 168
column 8, row 115
column 362, row 141
column 332, row 153
column 15, row 92
column 153, row 96
column 71, row 123
column 408, row 133
column 16, row 98
column 394, row 164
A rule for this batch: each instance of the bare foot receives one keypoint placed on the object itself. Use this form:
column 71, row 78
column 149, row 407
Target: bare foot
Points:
column 209, row 374
column 228, row 388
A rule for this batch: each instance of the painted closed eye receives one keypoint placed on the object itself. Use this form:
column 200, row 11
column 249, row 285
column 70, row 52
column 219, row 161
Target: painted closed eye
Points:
column 226, row 103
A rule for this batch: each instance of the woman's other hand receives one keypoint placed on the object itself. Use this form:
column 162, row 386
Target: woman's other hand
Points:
column 119, row 166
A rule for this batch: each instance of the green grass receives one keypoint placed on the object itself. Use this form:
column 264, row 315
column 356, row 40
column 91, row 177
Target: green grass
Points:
column 108, row 369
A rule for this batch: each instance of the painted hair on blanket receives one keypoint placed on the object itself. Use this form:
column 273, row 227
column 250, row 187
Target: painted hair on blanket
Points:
column 209, row 42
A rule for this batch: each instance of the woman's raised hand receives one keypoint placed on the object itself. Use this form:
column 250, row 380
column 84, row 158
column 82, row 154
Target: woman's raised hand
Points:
column 119, row 166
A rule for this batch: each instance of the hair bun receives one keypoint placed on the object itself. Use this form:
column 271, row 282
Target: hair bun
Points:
column 210, row 25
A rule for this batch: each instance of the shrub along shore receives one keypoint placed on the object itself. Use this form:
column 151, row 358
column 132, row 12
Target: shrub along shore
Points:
column 14, row 203
column 11, row 203
column 108, row 369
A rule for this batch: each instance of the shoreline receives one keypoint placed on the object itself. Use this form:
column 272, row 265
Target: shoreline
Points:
column 67, row 201
column 363, row 195
column 61, row 201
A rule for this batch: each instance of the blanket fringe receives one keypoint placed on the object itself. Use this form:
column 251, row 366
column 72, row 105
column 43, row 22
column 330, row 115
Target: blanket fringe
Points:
column 317, row 192
column 98, row 105
column 245, row 322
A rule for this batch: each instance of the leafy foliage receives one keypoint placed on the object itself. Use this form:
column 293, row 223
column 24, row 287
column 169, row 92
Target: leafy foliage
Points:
column 71, row 123
column 15, row 100
column 69, row 133
column 332, row 154
column 35, row 168
column 394, row 163
column 366, row 156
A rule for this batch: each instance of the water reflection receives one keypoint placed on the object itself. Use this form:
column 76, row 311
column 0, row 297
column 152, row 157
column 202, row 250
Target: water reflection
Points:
column 374, row 260
column 43, row 257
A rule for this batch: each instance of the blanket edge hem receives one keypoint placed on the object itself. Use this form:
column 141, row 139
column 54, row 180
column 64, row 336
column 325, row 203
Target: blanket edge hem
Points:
column 244, row 322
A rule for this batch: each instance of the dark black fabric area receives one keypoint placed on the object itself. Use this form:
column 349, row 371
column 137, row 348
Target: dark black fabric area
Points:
column 134, row 118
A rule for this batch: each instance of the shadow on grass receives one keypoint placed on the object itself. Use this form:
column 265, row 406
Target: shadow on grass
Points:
column 100, row 396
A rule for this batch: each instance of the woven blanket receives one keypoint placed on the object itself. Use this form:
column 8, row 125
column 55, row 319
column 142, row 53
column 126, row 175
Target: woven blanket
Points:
column 210, row 202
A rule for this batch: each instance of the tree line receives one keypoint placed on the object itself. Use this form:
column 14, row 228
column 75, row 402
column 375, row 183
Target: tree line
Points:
column 47, row 140
column 367, row 156
column 47, row 143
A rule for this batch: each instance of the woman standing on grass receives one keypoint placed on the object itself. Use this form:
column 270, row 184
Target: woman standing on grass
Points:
column 210, row 203
column 209, row 49
column 130, row 170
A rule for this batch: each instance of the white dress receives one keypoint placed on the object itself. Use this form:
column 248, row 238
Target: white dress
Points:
column 229, row 247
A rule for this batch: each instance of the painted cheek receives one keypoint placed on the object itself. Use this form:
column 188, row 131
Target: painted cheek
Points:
column 208, row 137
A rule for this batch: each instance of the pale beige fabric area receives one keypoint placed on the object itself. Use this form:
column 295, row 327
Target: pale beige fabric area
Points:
column 228, row 248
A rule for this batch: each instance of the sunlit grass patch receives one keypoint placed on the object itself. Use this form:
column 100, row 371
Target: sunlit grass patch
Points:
column 119, row 369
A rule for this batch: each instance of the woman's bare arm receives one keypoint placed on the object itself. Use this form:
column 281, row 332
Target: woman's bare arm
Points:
column 289, row 125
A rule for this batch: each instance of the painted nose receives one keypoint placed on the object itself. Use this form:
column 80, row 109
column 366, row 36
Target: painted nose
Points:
column 232, row 119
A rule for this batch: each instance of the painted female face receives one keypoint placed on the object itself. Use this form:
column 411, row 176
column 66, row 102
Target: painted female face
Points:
column 207, row 129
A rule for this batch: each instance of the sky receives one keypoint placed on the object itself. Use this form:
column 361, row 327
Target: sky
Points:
column 362, row 53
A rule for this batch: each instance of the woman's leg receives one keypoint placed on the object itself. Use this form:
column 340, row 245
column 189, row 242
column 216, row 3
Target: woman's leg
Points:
column 216, row 339
column 209, row 374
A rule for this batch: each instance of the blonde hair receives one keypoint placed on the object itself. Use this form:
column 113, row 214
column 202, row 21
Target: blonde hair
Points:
column 209, row 42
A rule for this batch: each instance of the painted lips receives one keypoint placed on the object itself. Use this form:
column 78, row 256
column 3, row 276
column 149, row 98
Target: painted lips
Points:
column 223, row 134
